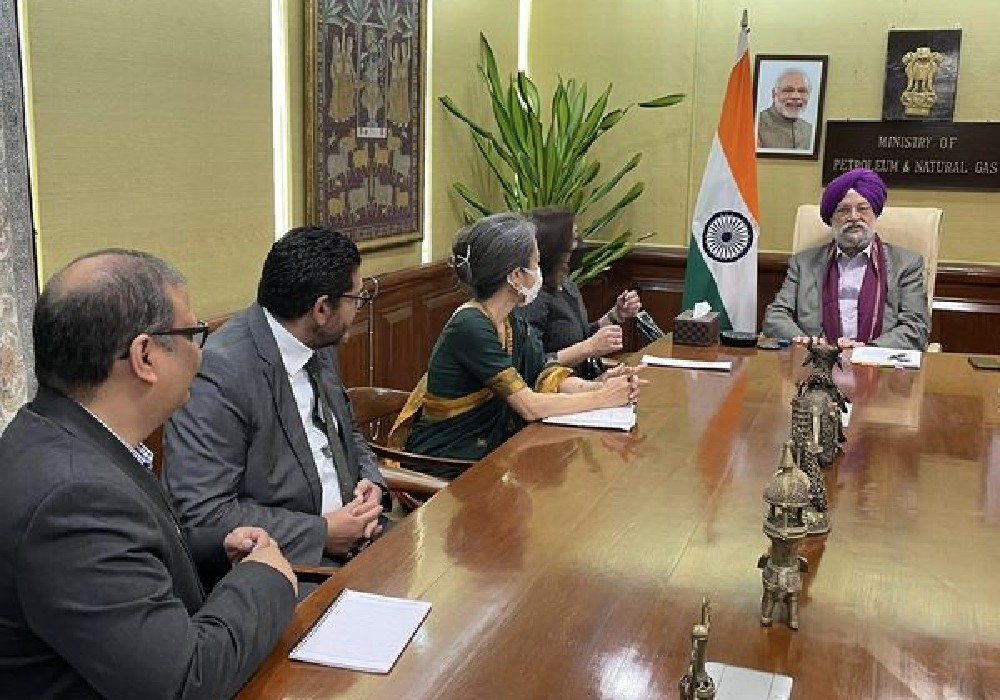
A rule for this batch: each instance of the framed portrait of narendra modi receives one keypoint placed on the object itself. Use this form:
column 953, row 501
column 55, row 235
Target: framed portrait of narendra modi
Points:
column 788, row 105
column 364, row 118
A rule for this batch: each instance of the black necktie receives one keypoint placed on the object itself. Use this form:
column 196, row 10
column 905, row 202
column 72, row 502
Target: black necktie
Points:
column 323, row 416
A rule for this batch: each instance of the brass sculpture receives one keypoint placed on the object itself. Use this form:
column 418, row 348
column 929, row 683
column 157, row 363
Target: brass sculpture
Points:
column 819, row 389
column 807, row 420
column 919, row 96
column 696, row 684
column 787, row 497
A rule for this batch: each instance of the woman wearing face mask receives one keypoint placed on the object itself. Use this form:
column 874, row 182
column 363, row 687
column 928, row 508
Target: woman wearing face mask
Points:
column 488, row 374
column 558, row 314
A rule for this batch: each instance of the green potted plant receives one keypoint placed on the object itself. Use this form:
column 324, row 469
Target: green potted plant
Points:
column 537, row 165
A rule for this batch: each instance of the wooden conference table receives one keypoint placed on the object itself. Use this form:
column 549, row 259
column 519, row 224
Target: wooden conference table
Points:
column 572, row 563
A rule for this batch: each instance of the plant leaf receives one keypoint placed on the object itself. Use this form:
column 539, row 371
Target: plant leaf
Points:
column 601, row 191
column 665, row 101
column 606, row 218
column 488, row 61
column 470, row 197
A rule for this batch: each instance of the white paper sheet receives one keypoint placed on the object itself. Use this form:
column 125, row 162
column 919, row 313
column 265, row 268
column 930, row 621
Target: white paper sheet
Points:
column 716, row 365
column 362, row 631
column 621, row 418
column 735, row 683
column 886, row 357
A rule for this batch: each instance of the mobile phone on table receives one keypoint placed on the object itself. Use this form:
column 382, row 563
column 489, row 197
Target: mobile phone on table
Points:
column 985, row 362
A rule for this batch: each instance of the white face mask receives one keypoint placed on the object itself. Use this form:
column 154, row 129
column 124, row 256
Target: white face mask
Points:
column 529, row 293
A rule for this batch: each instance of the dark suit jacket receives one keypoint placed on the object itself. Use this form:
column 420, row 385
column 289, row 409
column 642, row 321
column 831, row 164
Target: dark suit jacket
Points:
column 236, row 453
column 797, row 310
column 99, row 596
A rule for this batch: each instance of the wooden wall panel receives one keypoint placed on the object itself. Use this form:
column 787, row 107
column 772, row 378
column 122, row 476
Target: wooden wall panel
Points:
column 407, row 316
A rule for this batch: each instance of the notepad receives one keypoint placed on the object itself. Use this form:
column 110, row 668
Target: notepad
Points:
column 362, row 631
column 735, row 683
column 621, row 418
column 886, row 357
column 715, row 365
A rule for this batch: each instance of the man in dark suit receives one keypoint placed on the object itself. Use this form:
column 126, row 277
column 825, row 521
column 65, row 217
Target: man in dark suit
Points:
column 268, row 437
column 857, row 289
column 99, row 593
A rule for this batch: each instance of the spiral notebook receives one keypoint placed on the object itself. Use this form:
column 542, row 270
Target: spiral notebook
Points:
column 362, row 631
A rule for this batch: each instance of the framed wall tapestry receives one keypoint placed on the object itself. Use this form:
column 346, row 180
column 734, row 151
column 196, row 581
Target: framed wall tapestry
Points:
column 17, row 246
column 788, row 104
column 364, row 118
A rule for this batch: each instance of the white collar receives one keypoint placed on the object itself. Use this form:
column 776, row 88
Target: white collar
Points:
column 294, row 354
column 142, row 454
column 841, row 255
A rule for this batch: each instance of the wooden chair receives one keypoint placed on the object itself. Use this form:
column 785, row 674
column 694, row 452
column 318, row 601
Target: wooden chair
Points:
column 375, row 411
column 916, row 228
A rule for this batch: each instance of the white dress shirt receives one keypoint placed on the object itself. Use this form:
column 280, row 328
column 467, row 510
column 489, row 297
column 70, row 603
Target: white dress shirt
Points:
column 295, row 355
column 852, row 276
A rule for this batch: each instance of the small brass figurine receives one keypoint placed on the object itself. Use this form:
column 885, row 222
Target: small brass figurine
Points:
column 787, row 497
column 919, row 96
column 819, row 389
column 807, row 419
column 696, row 684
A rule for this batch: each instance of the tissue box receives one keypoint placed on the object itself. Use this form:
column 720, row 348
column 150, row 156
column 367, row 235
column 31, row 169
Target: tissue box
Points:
column 696, row 331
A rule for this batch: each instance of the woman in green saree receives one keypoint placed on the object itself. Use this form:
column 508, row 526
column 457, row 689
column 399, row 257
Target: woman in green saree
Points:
column 488, row 374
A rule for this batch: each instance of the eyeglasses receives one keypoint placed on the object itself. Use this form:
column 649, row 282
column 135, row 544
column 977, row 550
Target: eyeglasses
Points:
column 367, row 294
column 196, row 334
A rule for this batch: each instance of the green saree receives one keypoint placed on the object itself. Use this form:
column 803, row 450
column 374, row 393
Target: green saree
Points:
column 464, row 413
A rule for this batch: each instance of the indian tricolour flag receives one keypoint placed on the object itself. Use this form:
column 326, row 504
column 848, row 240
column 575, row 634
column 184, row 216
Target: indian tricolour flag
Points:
column 722, row 260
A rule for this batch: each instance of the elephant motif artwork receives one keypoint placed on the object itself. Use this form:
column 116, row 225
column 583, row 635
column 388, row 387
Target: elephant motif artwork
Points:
column 363, row 117
column 921, row 77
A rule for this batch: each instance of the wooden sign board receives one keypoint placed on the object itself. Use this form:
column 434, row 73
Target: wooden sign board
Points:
column 917, row 155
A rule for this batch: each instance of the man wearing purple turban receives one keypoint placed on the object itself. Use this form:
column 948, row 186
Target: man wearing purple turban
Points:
column 857, row 289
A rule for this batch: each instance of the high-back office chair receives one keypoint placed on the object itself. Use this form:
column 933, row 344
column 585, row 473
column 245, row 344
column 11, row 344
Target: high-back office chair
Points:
column 375, row 410
column 916, row 228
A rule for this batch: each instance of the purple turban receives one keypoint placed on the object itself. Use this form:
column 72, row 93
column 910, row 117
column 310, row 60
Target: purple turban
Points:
column 865, row 182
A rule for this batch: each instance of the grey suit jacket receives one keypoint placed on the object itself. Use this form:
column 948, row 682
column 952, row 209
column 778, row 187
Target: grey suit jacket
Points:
column 99, row 597
column 798, row 308
column 236, row 452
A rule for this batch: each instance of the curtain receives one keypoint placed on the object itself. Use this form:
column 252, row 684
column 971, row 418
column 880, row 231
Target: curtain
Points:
column 17, row 253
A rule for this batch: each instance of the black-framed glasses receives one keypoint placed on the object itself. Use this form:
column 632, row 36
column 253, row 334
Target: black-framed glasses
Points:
column 367, row 295
column 196, row 334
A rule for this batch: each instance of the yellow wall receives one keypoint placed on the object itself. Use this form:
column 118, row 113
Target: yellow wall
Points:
column 651, row 47
column 153, row 130
column 152, row 120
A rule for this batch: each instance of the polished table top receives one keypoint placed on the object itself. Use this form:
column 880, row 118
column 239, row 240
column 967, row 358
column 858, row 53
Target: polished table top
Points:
column 572, row 563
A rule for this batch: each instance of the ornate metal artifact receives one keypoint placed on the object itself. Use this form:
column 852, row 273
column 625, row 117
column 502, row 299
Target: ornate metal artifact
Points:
column 696, row 684
column 819, row 389
column 920, row 65
column 787, row 498
column 807, row 421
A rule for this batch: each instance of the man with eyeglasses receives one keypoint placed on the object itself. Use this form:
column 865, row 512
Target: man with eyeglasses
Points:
column 100, row 594
column 857, row 289
column 268, row 437
column 781, row 125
